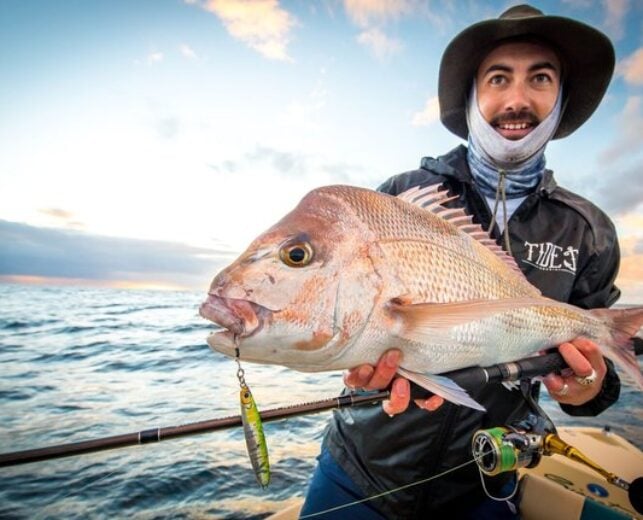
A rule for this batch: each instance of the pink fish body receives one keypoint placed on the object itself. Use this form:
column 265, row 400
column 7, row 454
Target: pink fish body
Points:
column 351, row 273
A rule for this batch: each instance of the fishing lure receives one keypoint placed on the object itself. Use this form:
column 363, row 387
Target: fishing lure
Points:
column 252, row 428
column 255, row 439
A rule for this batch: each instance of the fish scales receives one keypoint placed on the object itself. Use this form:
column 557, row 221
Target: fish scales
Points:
column 350, row 273
column 431, row 242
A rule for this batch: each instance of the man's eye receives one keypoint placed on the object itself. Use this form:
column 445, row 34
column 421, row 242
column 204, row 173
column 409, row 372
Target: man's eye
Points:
column 497, row 80
column 542, row 78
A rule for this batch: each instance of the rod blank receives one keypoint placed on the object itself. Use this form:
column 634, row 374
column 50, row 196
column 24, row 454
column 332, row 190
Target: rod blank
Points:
column 171, row 432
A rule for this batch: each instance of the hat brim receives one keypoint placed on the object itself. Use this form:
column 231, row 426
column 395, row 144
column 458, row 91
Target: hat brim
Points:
column 588, row 57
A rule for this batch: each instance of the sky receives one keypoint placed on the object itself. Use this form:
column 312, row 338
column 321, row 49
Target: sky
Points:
column 146, row 143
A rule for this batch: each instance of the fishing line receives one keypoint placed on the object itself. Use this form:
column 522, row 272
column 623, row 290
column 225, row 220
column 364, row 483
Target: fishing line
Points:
column 497, row 499
column 390, row 491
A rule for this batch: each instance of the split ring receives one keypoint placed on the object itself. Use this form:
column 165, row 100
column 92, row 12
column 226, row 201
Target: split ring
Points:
column 587, row 380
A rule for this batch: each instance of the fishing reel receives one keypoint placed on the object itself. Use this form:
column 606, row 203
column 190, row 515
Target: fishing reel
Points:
column 506, row 448
column 523, row 444
column 517, row 445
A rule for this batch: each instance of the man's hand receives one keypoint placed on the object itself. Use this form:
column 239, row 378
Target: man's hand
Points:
column 584, row 359
column 380, row 376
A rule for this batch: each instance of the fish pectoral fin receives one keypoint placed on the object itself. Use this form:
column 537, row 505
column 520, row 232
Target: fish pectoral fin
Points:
column 442, row 386
column 511, row 385
column 419, row 321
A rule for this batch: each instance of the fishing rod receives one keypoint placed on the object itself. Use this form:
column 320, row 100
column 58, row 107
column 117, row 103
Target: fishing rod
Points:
column 467, row 378
column 173, row 432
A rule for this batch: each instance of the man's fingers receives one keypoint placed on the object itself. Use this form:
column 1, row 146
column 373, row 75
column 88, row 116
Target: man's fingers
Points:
column 592, row 353
column 374, row 378
column 358, row 377
column 431, row 404
column 554, row 383
column 400, row 395
column 575, row 359
column 384, row 371
column 574, row 386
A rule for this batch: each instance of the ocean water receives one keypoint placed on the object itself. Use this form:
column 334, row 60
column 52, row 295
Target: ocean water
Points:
column 77, row 364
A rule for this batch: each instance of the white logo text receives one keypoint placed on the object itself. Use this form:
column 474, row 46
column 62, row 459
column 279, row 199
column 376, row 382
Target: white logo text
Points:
column 551, row 257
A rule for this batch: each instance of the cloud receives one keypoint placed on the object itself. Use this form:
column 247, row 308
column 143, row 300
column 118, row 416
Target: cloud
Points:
column 61, row 216
column 630, row 278
column 615, row 11
column 314, row 102
column 155, row 57
column 615, row 184
column 638, row 249
column 618, row 189
column 578, row 3
column 188, row 52
column 379, row 43
column 168, row 127
column 630, row 137
column 28, row 251
column 429, row 114
column 342, row 173
column 226, row 166
column 284, row 162
column 291, row 165
column 631, row 68
column 57, row 213
column 365, row 12
column 371, row 16
column 261, row 24
column 300, row 165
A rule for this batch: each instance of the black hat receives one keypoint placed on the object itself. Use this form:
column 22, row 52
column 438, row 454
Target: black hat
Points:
column 587, row 58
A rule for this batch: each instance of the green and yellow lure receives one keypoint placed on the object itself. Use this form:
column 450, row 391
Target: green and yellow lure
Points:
column 255, row 439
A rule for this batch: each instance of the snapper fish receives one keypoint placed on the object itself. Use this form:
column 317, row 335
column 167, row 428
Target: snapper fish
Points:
column 350, row 273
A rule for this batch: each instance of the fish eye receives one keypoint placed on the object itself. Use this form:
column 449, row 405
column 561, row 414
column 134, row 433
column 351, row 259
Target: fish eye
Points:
column 246, row 395
column 296, row 255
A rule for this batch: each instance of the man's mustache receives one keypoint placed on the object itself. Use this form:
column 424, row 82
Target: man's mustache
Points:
column 524, row 116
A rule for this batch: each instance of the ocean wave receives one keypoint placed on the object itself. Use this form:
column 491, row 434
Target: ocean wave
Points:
column 11, row 325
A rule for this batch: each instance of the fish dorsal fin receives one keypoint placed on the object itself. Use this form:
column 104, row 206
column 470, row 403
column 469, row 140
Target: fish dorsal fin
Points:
column 433, row 199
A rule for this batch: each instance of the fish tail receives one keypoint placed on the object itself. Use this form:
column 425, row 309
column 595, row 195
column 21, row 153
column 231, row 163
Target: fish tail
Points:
column 624, row 325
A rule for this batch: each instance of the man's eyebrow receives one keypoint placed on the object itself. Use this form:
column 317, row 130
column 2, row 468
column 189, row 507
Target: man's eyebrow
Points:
column 506, row 68
column 498, row 67
column 543, row 65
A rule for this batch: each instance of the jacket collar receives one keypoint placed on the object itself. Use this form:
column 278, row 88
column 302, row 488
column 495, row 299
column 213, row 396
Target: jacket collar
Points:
column 454, row 164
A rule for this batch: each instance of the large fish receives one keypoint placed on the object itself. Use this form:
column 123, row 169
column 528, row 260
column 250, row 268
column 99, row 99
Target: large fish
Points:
column 350, row 273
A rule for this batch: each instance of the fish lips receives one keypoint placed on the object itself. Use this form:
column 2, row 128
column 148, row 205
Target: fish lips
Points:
column 242, row 318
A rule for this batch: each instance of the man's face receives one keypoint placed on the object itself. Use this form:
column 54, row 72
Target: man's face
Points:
column 517, row 85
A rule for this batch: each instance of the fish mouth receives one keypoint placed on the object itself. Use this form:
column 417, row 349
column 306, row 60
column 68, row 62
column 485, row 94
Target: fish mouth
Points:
column 241, row 318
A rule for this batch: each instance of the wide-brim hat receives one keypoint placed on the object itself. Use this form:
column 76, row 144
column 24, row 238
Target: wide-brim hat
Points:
column 587, row 56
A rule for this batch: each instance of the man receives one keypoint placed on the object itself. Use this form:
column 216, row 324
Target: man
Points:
column 507, row 86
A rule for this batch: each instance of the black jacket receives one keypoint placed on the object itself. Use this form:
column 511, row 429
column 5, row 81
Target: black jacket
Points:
column 566, row 247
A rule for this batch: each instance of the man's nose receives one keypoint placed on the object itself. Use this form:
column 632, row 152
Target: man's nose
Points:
column 517, row 98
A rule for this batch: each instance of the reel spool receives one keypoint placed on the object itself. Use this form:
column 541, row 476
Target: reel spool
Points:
column 501, row 449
